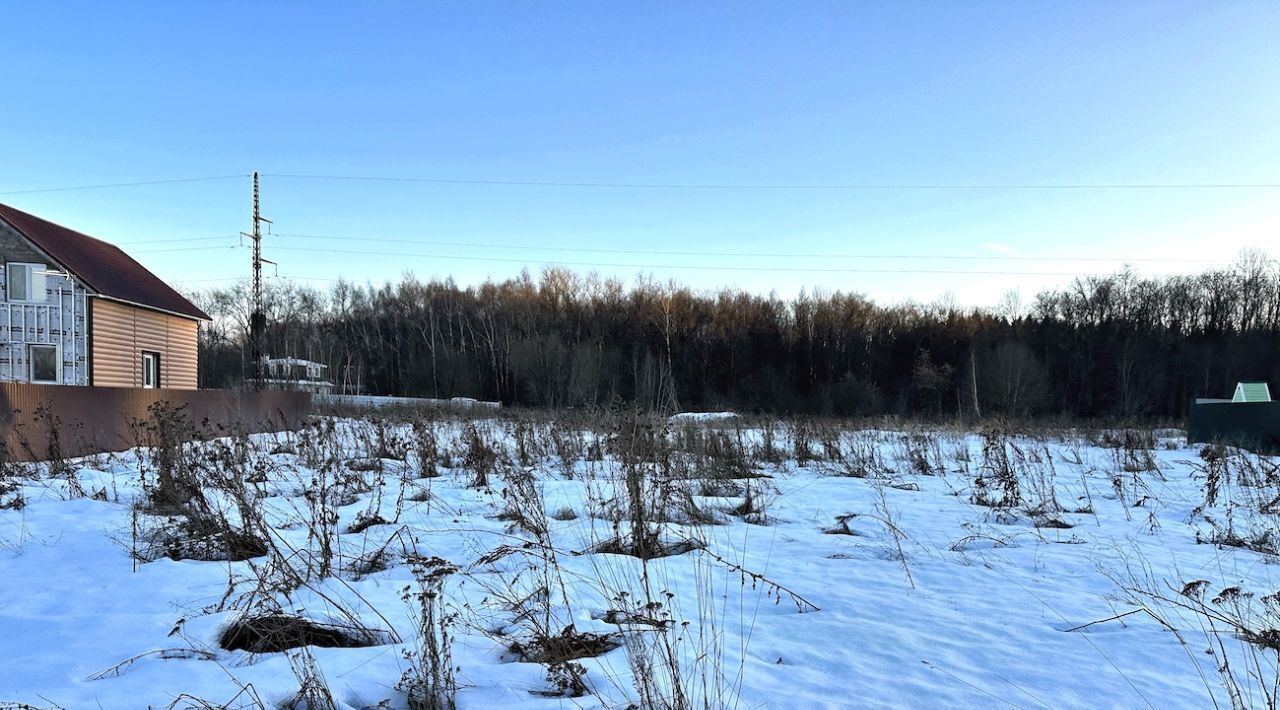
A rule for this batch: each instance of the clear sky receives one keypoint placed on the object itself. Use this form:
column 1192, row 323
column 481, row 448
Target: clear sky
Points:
column 787, row 93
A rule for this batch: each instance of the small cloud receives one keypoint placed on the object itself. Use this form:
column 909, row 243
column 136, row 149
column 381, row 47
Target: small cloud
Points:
column 1000, row 248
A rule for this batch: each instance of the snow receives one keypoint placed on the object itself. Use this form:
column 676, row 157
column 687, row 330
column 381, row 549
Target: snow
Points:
column 293, row 361
column 932, row 601
column 702, row 416
column 375, row 401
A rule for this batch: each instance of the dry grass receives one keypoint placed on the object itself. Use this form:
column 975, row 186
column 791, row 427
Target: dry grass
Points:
column 273, row 632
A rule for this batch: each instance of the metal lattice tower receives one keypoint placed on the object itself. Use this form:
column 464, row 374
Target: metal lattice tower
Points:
column 257, row 249
column 257, row 318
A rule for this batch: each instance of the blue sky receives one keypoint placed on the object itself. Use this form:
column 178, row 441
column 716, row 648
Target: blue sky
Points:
column 796, row 93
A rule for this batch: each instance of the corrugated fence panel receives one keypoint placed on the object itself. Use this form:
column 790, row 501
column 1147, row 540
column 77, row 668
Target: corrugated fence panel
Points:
column 96, row 419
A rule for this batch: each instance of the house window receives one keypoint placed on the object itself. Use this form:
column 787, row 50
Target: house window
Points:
column 24, row 282
column 43, row 364
column 150, row 370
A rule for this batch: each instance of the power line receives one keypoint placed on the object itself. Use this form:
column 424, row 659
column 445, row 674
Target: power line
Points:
column 681, row 185
column 687, row 267
column 783, row 186
column 177, row 240
column 246, row 279
column 692, row 267
column 197, row 281
column 186, row 249
column 123, row 184
column 662, row 252
column 762, row 255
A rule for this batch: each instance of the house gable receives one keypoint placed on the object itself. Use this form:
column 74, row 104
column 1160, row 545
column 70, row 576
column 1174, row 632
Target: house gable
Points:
column 14, row 246
column 51, row 323
column 103, row 267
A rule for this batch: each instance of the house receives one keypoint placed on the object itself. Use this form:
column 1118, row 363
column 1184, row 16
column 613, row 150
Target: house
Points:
column 75, row 310
column 291, row 373
column 1250, row 419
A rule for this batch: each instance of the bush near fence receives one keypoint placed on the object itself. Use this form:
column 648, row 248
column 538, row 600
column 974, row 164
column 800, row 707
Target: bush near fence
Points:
column 91, row 420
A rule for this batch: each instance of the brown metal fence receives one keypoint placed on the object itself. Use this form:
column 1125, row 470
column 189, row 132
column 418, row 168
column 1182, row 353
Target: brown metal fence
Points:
column 96, row 419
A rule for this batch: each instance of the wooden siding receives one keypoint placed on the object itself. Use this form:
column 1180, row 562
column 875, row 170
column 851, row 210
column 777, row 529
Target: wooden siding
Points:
column 120, row 334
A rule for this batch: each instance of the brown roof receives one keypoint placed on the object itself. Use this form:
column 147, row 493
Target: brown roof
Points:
column 103, row 267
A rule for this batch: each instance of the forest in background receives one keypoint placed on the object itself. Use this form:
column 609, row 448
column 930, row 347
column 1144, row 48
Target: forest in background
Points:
column 1119, row 345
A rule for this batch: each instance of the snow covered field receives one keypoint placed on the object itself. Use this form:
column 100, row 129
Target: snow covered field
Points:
column 699, row 562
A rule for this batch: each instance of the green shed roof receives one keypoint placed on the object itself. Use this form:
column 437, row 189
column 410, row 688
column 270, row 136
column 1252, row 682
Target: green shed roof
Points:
column 1252, row 392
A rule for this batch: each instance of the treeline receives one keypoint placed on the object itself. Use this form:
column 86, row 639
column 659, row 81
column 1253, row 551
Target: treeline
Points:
column 1117, row 345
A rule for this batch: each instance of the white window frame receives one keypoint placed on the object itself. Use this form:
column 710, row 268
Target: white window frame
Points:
column 152, row 357
column 32, row 271
column 57, row 364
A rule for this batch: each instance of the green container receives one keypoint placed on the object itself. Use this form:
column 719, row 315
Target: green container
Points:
column 1249, row 425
